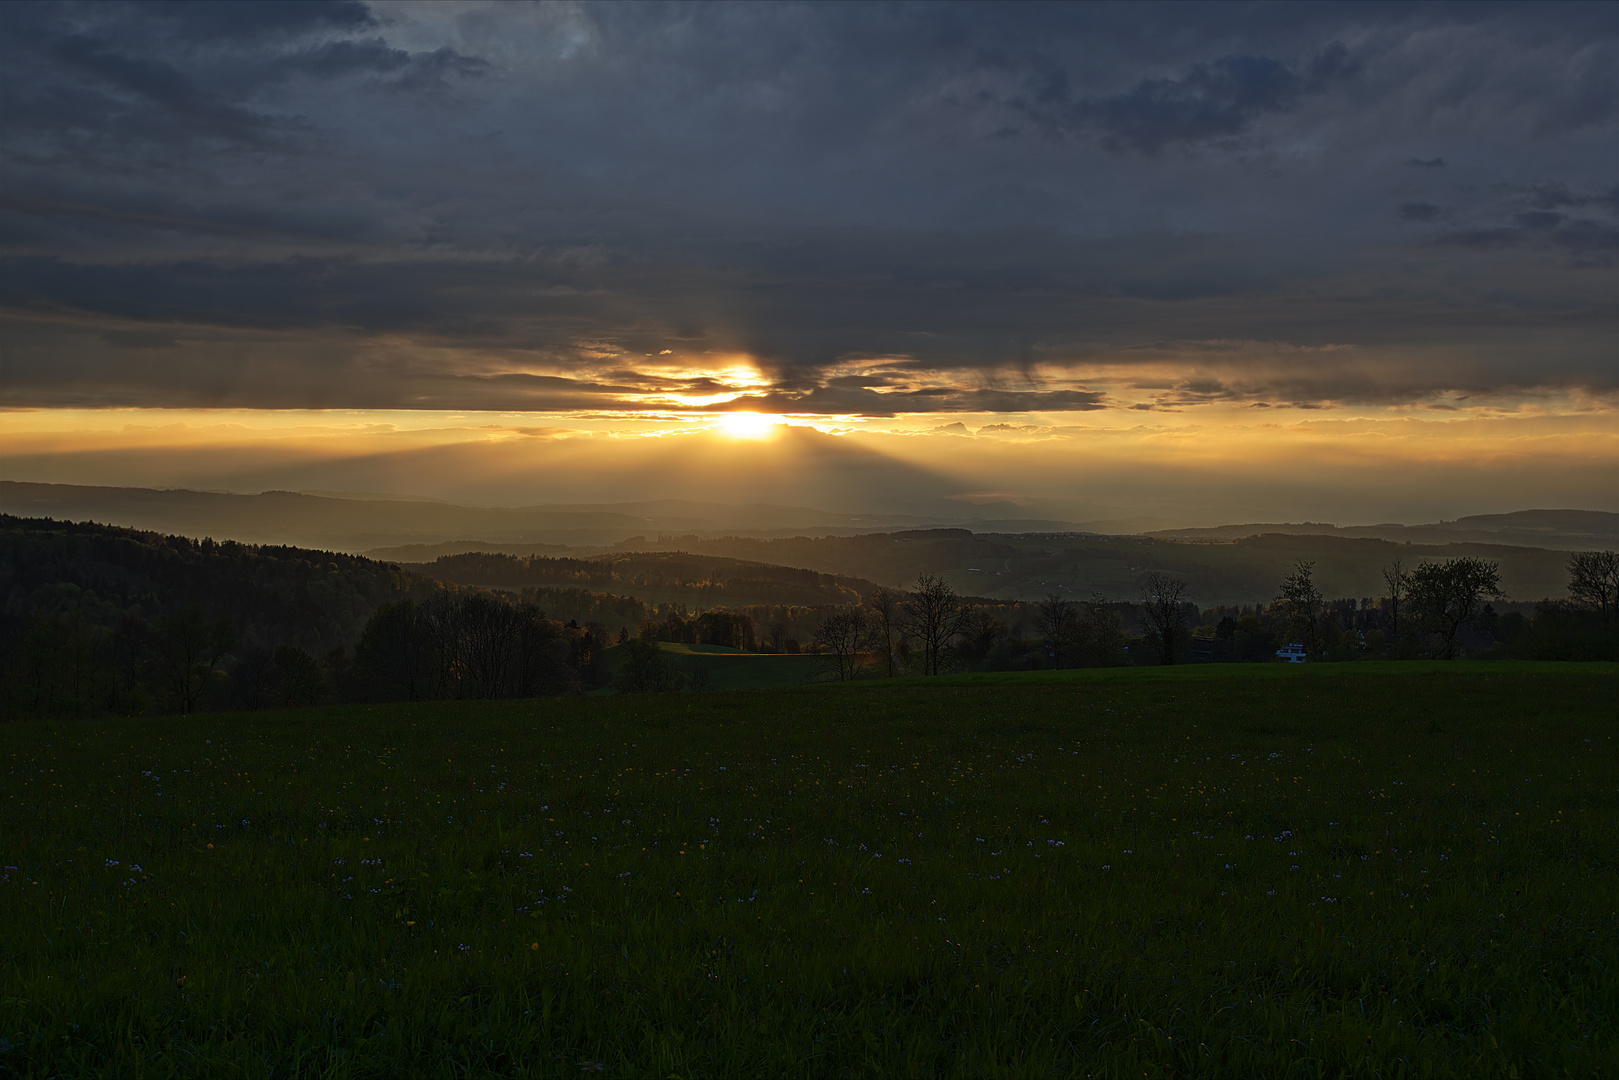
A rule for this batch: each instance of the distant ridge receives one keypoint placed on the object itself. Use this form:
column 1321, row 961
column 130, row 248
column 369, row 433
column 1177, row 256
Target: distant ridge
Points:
column 359, row 523
column 408, row 528
column 1563, row 530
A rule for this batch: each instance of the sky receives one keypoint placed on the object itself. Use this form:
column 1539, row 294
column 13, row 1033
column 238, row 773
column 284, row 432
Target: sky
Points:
column 1202, row 262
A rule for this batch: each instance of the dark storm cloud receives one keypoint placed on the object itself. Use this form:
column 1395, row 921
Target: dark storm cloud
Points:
column 159, row 83
column 134, row 74
column 1421, row 211
column 1582, row 227
column 1219, row 99
column 887, row 208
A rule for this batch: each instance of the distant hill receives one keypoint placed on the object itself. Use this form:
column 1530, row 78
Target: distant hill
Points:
column 289, row 517
column 891, row 559
column 412, row 529
column 363, row 523
column 272, row 595
column 698, row 581
column 1030, row 566
column 1564, row 530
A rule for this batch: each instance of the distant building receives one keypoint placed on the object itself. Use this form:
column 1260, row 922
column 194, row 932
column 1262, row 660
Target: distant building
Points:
column 1291, row 654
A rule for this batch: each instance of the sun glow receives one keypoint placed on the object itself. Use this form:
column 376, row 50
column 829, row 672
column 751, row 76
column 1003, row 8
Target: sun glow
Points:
column 749, row 425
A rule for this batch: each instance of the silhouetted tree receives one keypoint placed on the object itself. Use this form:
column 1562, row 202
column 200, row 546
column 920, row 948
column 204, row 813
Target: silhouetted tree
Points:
column 1447, row 596
column 189, row 649
column 1396, row 580
column 979, row 633
column 886, row 619
column 1593, row 581
column 1102, row 632
column 396, row 658
column 1225, row 637
column 461, row 645
column 298, row 679
column 586, row 647
column 646, row 669
column 58, row 668
column 1162, row 600
column 1059, row 624
column 935, row 618
column 842, row 637
column 728, row 628
column 1254, row 641
column 1302, row 601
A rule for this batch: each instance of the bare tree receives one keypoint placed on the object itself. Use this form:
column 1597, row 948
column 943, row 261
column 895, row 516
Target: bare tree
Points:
column 1058, row 622
column 489, row 631
column 1101, row 632
column 884, row 605
column 934, row 617
column 1303, row 602
column 1397, row 579
column 979, row 633
column 1162, row 597
column 1593, row 581
column 841, row 638
column 1450, row 595
column 190, row 649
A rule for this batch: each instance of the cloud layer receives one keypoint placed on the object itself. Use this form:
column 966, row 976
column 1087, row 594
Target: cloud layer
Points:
column 861, row 210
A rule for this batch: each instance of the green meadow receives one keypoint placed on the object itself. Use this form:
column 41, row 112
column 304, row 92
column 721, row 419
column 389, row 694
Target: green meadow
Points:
column 719, row 667
column 1227, row 871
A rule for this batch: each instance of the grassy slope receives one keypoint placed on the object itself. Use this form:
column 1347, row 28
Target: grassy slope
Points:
column 733, row 669
column 1356, row 870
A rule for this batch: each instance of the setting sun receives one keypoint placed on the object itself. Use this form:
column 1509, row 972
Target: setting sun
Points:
column 748, row 425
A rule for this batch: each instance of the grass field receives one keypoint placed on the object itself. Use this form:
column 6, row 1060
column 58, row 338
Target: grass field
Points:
column 1243, row 871
column 716, row 667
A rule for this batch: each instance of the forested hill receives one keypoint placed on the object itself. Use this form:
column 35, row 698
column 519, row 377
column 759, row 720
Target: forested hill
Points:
column 106, row 575
column 1029, row 566
column 701, row 581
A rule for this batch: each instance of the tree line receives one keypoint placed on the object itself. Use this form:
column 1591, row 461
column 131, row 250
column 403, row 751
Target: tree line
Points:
column 1440, row 609
column 713, row 581
column 930, row 629
column 99, row 619
column 1436, row 609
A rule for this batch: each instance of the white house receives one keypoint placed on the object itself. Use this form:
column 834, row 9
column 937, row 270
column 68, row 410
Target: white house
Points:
column 1291, row 654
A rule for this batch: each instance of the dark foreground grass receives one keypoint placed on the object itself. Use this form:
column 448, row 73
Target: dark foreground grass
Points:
column 1365, row 871
column 715, row 667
